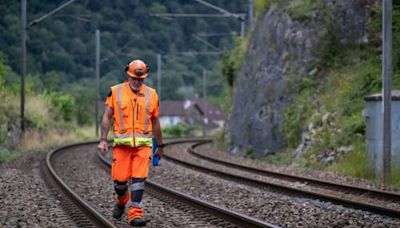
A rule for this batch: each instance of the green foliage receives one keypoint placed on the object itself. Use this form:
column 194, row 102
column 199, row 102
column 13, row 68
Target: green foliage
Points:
column 281, row 158
column 8, row 104
column 355, row 163
column 63, row 105
column 219, row 141
column 297, row 113
column 249, row 153
column 84, row 100
column 61, row 48
column 300, row 9
column 395, row 177
column 8, row 155
column 179, row 130
column 232, row 60
column 261, row 6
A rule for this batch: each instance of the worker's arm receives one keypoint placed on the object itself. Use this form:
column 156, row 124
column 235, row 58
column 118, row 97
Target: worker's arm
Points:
column 155, row 121
column 105, row 127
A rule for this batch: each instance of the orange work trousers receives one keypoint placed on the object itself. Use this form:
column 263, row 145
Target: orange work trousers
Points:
column 130, row 162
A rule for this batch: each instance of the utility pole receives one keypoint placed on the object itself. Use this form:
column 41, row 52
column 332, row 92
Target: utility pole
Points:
column 24, row 31
column 23, row 63
column 387, row 90
column 242, row 28
column 159, row 76
column 250, row 15
column 205, row 101
column 97, row 80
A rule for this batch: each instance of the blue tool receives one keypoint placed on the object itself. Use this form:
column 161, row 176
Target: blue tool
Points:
column 156, row 158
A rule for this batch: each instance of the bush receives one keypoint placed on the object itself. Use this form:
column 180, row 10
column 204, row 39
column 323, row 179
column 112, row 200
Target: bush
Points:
column 300, row 9
column 180, row 130
column 232, row 60
column 63, row 105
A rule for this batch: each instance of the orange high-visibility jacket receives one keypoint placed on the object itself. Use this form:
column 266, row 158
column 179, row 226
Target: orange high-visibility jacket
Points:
column 132, row 114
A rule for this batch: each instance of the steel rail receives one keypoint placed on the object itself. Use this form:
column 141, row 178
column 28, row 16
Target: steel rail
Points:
column 308, row 180
column 289, row 189
column 220, row 212
column 96, row 217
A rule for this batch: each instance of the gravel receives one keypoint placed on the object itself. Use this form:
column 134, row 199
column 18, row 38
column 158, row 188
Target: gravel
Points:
column 210, row 150
column 273, row 207
column 183, row 155
column 26, row 202
column 25, row 199
column 94, row 184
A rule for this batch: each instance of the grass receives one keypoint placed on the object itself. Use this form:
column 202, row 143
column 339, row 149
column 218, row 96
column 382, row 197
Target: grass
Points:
column 38, row 112
column 43, row 140
column 300, row 9
column 355, row 163
column 219, row 141
column 281, row 158
column 261, row 6
column 395, row 177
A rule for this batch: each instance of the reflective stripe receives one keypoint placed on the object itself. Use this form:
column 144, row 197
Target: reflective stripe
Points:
column 121, row 118
column 148, row 135
column 146, row 114
column 143, row 141
column 123, row 136
column 121, row 142
column 139, row 141
column 134, row 204
column 137, row 186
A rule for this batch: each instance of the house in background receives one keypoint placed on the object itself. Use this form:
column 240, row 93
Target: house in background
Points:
column 171, row 113
column 195, row 111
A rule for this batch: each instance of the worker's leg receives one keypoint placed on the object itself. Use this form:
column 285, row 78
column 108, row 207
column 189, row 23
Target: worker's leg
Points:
column 140, row 170
column 120, row 171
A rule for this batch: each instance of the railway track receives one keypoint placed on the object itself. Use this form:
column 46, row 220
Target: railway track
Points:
column 341, row 190
column 87, row 216
column 80, row 211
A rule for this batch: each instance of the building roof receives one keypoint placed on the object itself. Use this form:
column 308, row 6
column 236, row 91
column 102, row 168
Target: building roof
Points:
column 186, row 108
column 213, row 112
column 171, row 108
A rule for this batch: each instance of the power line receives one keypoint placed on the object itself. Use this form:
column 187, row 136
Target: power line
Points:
column 217, row 34
column 193, row 15
column 50, row 13
column 208, row 44
column 237, row 16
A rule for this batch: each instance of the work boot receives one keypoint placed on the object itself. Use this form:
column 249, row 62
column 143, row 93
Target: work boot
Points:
column 118, row 210
column 138, row 222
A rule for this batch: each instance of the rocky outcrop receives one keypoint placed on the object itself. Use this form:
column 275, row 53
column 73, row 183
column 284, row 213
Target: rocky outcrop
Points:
column 279, row 56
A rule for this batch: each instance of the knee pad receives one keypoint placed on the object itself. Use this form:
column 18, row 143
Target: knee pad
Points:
column 120, row 188
column 137, row 189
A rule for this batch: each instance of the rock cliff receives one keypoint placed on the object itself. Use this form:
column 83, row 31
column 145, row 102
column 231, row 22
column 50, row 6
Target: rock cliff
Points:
column 281, row 52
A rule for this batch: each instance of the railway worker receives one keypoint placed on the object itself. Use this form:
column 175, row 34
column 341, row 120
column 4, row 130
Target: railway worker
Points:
column 134, row 108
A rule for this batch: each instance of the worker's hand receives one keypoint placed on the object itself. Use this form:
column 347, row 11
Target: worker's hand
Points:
column 103, row 147
column 160, row 151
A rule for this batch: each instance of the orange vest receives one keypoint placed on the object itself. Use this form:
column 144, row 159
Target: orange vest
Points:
column 132, row 115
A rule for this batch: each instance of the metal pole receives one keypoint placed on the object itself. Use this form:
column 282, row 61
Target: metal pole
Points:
column 387, row 81
column 205, row 100
column 97, row 80
column 250, row 15
column 23, row 63
column 242, row 28
column 159, row 76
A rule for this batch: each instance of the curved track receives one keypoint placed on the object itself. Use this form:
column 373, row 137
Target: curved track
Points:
column 86, row 216
column 80, row 210
column 342, row 189
column 211, row 209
